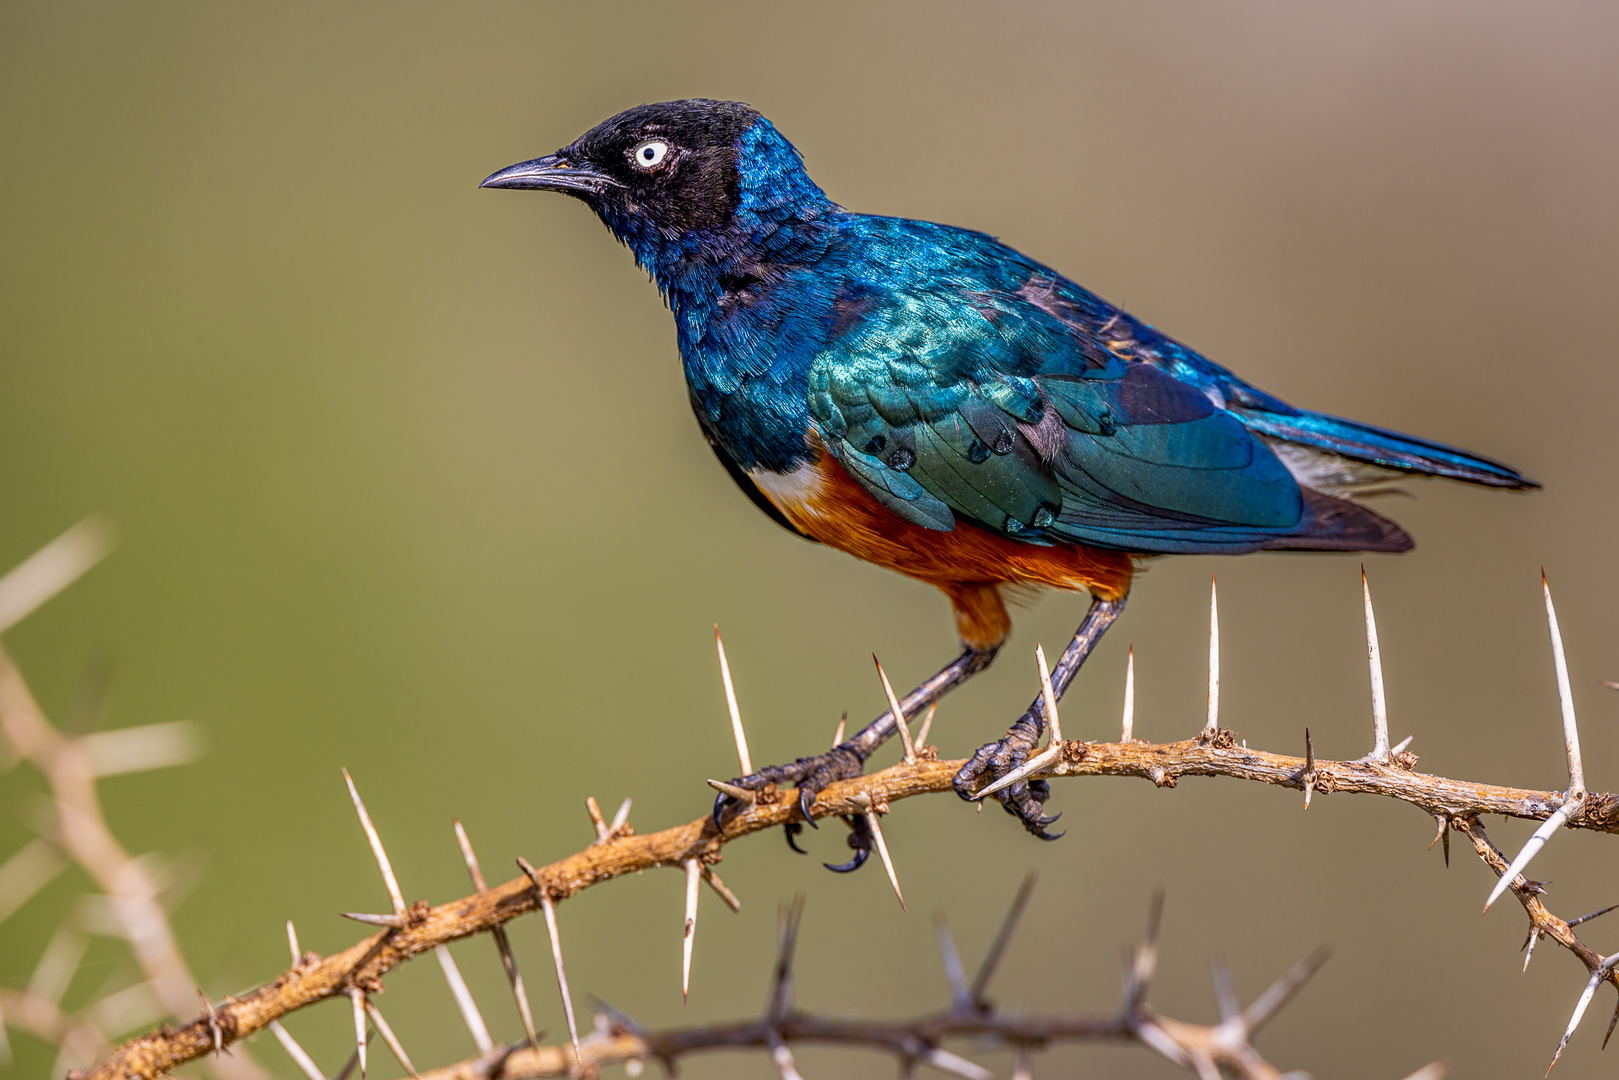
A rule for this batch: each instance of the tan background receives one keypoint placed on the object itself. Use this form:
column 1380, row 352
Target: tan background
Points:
column 407, row 482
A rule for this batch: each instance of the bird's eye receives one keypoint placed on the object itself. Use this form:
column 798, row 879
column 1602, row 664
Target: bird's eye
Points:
column 649, row 154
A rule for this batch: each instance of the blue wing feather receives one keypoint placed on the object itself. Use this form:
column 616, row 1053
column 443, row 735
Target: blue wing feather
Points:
column 974, row 384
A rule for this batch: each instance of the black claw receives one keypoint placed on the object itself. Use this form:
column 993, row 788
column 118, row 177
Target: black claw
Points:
column 806, row 799
column 792, row 829
column 719, row 809
column 859, row 860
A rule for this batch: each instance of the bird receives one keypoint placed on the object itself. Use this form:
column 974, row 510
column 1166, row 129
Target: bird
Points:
column 929, row 399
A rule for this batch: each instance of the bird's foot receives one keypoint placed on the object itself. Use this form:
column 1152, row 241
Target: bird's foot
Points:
column 809, row 774
column 1024, row 800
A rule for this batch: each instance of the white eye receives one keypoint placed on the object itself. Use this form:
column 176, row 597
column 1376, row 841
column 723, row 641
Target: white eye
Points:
column 649, row 154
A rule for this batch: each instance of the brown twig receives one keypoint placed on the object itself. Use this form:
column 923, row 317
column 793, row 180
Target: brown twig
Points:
column 1165, row 764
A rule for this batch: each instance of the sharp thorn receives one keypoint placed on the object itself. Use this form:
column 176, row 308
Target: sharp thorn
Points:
column 1146, row 957
column 1266, row 1005
column 1591, row 984
column 725, row 894
column 730, row 703
column 388, row 1037
column 397, row 922
column 292, row 944
column 1045, row 757
column 1225, row 997
column 1127, row 730
column 550, row 911
column 897, row 712
column 1403, row 743
column 694, row 874
column 621, row 816
column 843, row 725
column 597, row 822
column 882, row 852
column 1374, row 657
column 357, row 997
column 781, row 980
column 1532, row 847
column 474, row 871
column 926, row 729
column 951, row 956
column 1048, row 695
column 1565, row 699
column 1593, row 915
column 383, row 864
column 300, row 1058
column 1213, row 723
column 463, row 1000
column 1003, row 937
column 735, row 791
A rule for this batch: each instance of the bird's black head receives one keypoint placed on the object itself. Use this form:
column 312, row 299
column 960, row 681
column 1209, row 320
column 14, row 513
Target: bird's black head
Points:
column 668, row 178
column 672, row 164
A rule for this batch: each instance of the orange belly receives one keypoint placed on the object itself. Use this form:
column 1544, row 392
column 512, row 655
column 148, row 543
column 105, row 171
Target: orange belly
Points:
column 968, row 563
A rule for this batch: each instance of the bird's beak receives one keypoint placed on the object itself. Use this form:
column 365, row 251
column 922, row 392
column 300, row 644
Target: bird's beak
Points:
column 551, row 173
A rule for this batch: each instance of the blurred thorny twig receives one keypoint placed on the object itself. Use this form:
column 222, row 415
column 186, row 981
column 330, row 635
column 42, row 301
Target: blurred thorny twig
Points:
column 73, row 763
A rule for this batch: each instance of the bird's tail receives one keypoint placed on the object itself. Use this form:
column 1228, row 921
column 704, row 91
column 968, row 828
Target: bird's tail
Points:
column 1380, row 447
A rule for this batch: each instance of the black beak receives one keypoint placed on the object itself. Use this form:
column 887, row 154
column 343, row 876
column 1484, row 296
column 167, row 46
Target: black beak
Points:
column 551, row 173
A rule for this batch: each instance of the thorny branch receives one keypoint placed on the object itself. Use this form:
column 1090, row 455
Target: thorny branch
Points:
column 694, row 847
column 1224, row 1047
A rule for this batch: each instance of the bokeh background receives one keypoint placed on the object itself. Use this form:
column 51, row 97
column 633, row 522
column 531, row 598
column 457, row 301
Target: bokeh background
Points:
column 407, row 481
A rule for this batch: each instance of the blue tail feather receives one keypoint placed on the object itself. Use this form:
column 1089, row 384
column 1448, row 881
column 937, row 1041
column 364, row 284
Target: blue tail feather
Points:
column 1378, row 446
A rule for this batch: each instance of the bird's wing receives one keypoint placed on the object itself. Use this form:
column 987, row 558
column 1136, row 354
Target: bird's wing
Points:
column 993, row 408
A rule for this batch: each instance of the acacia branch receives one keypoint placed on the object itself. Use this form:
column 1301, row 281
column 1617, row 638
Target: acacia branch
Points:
column 364, row 964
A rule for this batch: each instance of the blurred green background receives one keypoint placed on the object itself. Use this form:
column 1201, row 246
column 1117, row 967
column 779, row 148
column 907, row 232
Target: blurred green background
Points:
column 407, row 481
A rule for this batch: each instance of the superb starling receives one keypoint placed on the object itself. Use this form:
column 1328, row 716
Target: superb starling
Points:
column 930, row 400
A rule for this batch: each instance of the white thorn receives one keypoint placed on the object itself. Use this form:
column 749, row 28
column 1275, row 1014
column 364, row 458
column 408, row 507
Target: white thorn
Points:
column 34, row 866
column 1048, row 695
column 1400, row 748
column 1532, row 847
column 730, row 703
column 956, row 1065
column 292, row 943
column 502, row 943
column 783, row 1057
column 1021, row 1068
column 888, row 863
column 383, row 864
column 1213, row 723
column 1596, row 980
column 388, row 1037
column 898, row 713
column 1034, row 764
column 141, row 749
column 1127, row 730
column 597, row 822
column 463, row 1000
column 694, row 874
column 305, row 1063
column 51, row 569
column 1374, row 658
column 357, row 996
column 926, row 728
column 843, row 725
column 1565, row 698
column 721, row 890
column 550, row 910
column 621, row 815
column 734, row 791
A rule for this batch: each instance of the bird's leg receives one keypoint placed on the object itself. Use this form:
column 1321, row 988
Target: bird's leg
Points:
column 1026, row 801
column 848, row 758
